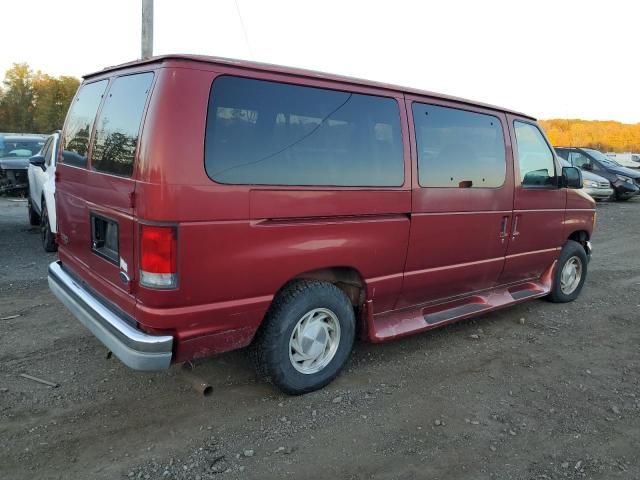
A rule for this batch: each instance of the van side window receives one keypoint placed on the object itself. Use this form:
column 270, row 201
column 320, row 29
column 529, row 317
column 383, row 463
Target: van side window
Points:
column 457, row 148
column 119, row 124
column 79, row 124
column 269, row 133
column 537, row 168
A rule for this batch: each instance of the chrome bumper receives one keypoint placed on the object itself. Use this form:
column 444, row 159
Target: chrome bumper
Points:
column 600, row 193
column 136, row 349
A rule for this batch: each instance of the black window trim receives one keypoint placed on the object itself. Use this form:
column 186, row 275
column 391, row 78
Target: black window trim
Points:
column 415, row 143
column 93, row 127
column 289, row 81
column 143, row 118
column 516, row 158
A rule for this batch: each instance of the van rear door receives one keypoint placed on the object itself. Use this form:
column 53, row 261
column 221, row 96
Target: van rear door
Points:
column 97, row 224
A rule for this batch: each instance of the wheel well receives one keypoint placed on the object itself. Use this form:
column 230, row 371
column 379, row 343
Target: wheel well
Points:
column 580, row 236
column 347, row 279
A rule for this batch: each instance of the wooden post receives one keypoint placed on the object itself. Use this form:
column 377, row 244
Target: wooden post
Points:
column 147, row 28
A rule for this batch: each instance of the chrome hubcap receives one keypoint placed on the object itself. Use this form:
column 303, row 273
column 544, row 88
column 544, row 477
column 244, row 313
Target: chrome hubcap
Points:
column 571, row 275
column 314, row 341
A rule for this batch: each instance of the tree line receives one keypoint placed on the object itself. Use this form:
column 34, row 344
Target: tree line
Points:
column 606, row 136
column 34, row 102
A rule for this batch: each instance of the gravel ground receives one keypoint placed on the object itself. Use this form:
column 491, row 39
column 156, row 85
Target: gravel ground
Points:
column 537, row 391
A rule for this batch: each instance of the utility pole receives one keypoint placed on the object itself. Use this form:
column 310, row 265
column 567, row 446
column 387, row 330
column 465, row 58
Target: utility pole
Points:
column 147, row 28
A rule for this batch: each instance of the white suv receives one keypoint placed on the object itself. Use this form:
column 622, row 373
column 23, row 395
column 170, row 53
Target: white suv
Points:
column 42, row 206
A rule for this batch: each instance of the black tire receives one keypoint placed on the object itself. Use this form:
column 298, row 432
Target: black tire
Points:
column 48, row 237
column 270, row 350
column 572, row 251
column 34, row 218
column 620, row 198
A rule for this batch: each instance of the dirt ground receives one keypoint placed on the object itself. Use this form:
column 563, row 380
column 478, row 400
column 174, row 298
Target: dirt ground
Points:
column 537, row 391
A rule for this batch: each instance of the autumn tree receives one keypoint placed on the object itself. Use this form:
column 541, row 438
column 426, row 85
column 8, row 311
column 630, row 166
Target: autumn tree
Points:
column 35, row 103
column 16, row 106
column 607, row 136
column 51, row 100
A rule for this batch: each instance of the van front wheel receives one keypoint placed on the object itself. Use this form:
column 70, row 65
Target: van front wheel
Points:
column 306, row 337
column 570, row 273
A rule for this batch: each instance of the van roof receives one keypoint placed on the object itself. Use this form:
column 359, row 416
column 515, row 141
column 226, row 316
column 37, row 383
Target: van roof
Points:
column 299, row 72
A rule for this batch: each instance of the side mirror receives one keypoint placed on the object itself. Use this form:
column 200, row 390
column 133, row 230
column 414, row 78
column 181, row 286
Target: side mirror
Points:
column 37, row 161
column 571, row 177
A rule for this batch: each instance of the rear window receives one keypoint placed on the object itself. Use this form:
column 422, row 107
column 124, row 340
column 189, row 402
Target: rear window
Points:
column 118, row 125
column 75, row 139
column 458, row 148
column 268, row 133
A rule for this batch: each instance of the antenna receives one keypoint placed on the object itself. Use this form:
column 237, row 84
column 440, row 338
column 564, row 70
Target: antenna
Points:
column 244, row 30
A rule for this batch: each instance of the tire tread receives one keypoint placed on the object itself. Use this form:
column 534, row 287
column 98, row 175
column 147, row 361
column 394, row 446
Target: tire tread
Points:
column 264, row 346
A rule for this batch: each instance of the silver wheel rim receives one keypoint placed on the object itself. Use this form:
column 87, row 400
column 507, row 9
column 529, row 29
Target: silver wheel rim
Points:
column 571, row 275
column 314, row 341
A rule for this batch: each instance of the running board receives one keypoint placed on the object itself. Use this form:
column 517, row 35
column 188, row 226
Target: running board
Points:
column 390, row 325
column 455, row 312
column 527, row 293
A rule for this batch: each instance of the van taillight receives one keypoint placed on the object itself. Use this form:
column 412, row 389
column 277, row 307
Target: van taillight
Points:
column 158, row 256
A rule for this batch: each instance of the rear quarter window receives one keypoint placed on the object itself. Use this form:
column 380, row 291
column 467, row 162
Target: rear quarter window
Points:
column 77, row 131
column 269, row 133
column 118, row 124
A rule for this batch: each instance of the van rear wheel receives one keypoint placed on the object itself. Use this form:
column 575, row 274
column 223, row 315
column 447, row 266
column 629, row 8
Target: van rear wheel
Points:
column 570, row 273
column 306, row 337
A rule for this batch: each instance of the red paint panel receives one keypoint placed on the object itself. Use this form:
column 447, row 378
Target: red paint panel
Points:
column 327, row 203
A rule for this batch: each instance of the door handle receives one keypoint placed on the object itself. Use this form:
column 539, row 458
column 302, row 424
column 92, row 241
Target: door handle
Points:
column 504, row 223
column 515, row 231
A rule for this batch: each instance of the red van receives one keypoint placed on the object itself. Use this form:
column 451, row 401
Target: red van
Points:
column 206, row 205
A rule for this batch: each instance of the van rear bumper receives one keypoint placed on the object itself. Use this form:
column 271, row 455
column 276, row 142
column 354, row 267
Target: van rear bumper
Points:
column 136, row 349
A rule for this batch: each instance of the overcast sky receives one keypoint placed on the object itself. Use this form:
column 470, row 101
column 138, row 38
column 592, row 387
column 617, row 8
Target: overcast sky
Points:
column 548, row 58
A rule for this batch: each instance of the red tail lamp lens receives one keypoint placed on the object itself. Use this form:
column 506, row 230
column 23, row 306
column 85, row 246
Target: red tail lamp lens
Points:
column 158, row 256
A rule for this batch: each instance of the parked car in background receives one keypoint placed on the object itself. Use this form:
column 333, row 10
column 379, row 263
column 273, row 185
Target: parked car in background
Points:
column 207, row 204
column 15, row 150
column 631, row 160
column 625, row 181
column 41, row 201
column 599, row 188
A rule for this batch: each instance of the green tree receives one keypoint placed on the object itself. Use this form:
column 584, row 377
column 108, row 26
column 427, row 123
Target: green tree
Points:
column 16, row 104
